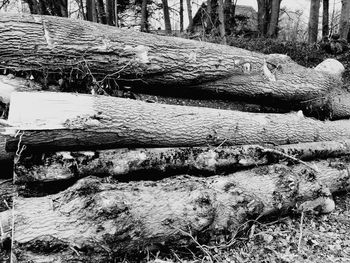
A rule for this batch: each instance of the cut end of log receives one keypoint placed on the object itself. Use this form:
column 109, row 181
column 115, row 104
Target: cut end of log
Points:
column 331, row 66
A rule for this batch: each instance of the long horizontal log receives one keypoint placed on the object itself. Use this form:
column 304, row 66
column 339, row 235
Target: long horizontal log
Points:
column 152, row 163
column 147, row 61
column 95, row 220
column 55, row 121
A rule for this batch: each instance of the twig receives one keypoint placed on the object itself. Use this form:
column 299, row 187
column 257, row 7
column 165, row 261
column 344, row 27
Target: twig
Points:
column 268, row 150
column 301, row 230
column 196, row 242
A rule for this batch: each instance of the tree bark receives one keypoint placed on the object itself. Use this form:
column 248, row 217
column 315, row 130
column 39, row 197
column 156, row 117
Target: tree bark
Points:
column 166, row 14
column 100, row 220
column 154, row 163
column 325, row 19
column 151, row 62
column 272, row 30
column 344, row 23
column 313, row 20
column 73, row 122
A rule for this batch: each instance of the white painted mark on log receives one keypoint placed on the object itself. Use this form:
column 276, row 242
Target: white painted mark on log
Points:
column 47, row 36
column 268, row 74
column 140, row 52
column 47, row 110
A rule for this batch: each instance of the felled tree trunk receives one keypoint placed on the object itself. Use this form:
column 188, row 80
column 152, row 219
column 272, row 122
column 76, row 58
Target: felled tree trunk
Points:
column 95, row 220
column 152, row 62
column 54, row 121
column 156, row 163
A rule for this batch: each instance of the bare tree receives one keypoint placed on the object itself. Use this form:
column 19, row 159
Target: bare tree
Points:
column 221, row 21
column 344, row 19
column 263, row 7
column 190, row 18
column 48, row 7
column 325, row 19
column 313, row 20
column 166, row 16
column 273, row 23
column 110, row 12
column 101, row 12
column 181, row 14
column 116, row 13
column 91, row 10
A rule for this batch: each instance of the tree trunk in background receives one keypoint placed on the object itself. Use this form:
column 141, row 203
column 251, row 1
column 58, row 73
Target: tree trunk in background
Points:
column 91, row 10
column 221, row 21
column 344, row 24
column 190, row 18
column 262, row 17
column 208, row 23
column 273, row 24
column 116, row 13
column 181, row 14
column 325, row 19
column 229, row 16
column 81, row 10
column 48, row 7
column 144, row 16
column 166, row 14
column 313, row 21
column 110, row 12
column 101, row 12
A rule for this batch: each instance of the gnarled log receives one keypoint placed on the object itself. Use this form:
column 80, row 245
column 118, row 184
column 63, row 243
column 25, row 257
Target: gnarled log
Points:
column 95, row 220
column 74, row 122
column 147, row 61
column 128, row 164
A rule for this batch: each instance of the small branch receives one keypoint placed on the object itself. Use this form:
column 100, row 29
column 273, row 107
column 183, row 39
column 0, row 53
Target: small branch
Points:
column 301, row 231
column 268, row 150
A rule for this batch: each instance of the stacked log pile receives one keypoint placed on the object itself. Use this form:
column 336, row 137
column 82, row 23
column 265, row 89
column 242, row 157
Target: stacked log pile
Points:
column 99, row 177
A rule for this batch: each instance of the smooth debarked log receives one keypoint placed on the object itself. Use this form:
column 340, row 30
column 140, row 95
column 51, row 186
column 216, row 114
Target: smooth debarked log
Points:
column 96, row 219
column 153, row 163
column 54, row 121
column 152, row 62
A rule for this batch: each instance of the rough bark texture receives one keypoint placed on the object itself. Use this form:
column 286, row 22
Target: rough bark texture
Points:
column 6, row 159
column 313, row 20
column 72, row 121
column 155, row 163
column 152, row 62
column 102, row 220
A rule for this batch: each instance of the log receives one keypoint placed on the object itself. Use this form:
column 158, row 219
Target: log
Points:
column 95, row 220
column 152, row 62
column 154, row 163
column 54, row 121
